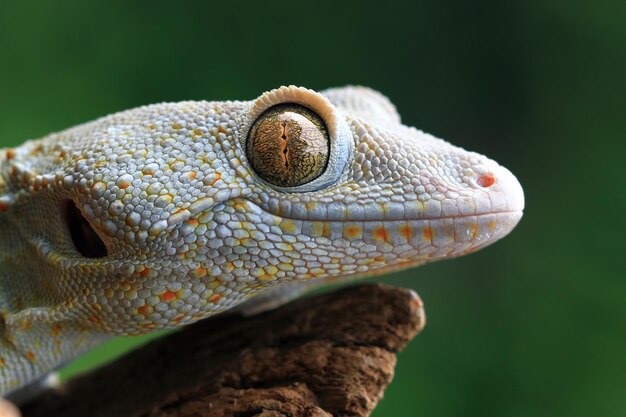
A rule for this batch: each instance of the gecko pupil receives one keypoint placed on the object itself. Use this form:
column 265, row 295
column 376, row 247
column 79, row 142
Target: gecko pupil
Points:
column 84, row 237
column 288, row 145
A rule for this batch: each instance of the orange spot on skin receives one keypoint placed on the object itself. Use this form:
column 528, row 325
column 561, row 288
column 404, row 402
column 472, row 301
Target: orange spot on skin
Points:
column 31, row 356
column 326, row 230
column 222, row 129
column 10, row 153
column 192, row 175
column 406, row 231
column 124, row 185
column 4, row 207
column 486, row 180
column 381, row 233
column 199, row 272
column 353, row 232
column 94, row 319
column 218, row 177
column 2, row 362
column 428, row 233
column 144, row 310
column 192, row 222
column 145, row 272
column 168, row 296
column 56, row 329
column 215, row 298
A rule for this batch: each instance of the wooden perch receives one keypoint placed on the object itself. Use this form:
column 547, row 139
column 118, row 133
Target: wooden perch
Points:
column 331, row 354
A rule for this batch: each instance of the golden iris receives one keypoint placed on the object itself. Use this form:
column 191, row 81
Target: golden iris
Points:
column 288, row 145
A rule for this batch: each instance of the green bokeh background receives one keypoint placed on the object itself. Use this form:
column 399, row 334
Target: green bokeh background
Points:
column 533, row 326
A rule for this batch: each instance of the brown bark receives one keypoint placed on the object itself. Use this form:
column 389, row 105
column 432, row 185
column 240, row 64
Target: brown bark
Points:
column 331, row 354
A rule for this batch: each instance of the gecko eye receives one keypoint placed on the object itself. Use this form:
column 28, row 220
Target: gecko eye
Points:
column 84, row 237
column 288, row 145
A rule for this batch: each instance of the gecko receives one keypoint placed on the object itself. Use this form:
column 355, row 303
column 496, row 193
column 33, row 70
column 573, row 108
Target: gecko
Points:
column 159, row 216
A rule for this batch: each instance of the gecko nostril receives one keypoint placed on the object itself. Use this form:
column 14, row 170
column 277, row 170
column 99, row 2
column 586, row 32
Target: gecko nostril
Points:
column 486, row 180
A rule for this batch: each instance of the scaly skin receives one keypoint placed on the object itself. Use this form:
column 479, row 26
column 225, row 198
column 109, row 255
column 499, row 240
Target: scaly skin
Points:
column 191, row 230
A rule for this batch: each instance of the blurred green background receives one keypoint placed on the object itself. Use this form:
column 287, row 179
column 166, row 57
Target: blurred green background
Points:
column 533, row 326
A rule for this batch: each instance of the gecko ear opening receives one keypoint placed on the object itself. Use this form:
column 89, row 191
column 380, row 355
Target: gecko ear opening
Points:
column 85, row 239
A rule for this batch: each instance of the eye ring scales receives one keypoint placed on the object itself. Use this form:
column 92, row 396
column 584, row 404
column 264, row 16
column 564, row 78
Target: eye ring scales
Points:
column 288, row 145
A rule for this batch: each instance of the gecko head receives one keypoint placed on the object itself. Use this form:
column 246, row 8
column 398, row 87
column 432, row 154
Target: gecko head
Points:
column 388, row 196
column 165, row 214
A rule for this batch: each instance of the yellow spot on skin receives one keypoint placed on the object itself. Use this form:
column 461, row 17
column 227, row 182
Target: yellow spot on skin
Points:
column 151, row 126
column 176, row 126
column 318, row 271
column 148, row 326
column 285, row 266
column 406, row 231
column 288, row 226
column 428, row 233
column 311, row 205
column 317, row 228
column 492, row 225
column 197, row 132
column 381, row 233
column 353, row 232
column 474, row 229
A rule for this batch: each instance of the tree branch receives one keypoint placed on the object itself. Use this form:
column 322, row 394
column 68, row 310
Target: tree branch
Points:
column 331, row 354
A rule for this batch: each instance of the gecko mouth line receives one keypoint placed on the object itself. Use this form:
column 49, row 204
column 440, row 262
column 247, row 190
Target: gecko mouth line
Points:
column 384, row 220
